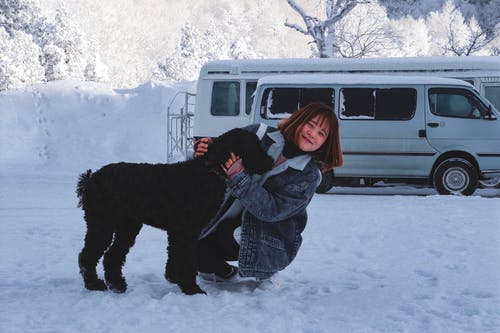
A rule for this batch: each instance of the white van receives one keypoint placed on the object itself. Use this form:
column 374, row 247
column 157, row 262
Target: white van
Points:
column 225, row 87
column 392, row 127
column 396, row 128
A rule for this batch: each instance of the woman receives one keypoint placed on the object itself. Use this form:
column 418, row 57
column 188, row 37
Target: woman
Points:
column 261, row 221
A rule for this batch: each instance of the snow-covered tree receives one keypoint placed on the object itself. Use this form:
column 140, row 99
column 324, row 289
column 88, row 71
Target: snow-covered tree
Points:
column 412, row 37
column 494, row 46
column 323, row 31
column 471, row 41
column 187, row 58
column 57, row 45
column 21, row 15
column 196, row 47
column 95, row 70
column 451, row 34
column 365, row 31
column 70, row 44
column 397, row 9
column 19, row 65
column 487, row 13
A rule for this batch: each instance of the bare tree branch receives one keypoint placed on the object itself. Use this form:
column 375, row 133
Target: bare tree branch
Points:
column 476, row 40
column 339, row 9
column 296, row 27
column 321, row 30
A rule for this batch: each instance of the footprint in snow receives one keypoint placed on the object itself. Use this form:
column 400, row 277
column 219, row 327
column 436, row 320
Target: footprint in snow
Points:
column 459, row 268
column 370, row 274
column 350, row 286
column 359, row 254
column 477, row 294
column 436, row 253
column 430, row 279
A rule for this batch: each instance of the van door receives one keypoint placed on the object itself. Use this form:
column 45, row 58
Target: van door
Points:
column 457, row 120
column 381, row 132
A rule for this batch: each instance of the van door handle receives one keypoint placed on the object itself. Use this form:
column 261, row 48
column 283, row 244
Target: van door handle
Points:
column 433, row 124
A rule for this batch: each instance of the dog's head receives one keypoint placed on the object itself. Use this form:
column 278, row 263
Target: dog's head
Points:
column 243, row 144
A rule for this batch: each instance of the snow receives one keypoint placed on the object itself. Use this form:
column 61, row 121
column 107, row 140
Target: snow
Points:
column 373, row 260
column 70, row 124
column 417, row 64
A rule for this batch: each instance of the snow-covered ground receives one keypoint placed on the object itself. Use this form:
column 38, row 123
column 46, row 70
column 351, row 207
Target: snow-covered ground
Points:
column 373, row 260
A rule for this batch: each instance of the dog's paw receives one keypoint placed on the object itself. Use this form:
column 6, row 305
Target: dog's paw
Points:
column 171, row 278
column 193, row 290
column 96, row 285
column 118, row 286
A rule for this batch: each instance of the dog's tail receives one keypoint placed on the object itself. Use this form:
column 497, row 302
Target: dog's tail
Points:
column 82, row 184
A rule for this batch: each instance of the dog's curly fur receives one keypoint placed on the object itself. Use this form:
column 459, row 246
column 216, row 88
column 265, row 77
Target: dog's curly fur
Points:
column 180, row 198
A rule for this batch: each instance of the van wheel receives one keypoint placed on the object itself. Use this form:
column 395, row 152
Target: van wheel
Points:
column 326, row 182
column 455, row 176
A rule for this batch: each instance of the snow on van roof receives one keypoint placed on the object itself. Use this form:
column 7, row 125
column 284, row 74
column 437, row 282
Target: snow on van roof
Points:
column 357, row 79
column 420, row 64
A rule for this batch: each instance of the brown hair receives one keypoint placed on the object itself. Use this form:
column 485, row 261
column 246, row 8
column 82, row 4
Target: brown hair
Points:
column 330, row 152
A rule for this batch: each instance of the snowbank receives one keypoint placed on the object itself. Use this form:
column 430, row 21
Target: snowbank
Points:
column 68, row 126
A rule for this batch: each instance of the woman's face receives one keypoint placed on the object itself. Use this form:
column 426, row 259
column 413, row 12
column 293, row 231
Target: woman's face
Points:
column 311, row 135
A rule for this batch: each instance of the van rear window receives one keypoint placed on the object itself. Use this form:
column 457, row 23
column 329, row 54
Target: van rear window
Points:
column 378, row 103
column 225, row 98
column 279, row 103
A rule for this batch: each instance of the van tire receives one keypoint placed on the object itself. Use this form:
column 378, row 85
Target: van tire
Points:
column 455, row 176
column 326, row 182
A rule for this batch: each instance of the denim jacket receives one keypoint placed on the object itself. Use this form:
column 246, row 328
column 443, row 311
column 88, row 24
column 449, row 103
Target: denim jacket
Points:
column 273, row 208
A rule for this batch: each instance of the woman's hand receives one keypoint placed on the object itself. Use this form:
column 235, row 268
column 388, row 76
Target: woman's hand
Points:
column 232, row 166
column 201, row 146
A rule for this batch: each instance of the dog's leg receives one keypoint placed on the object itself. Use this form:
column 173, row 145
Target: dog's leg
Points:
column 186, row 265
column 97, row 240
column 114, row 259
column 171, row 273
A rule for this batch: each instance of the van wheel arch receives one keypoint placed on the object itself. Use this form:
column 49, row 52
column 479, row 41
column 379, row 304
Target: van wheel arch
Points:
column 455, row 172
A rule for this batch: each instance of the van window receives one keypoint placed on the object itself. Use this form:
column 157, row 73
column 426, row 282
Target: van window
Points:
column 492, row 93
column 249, row 95
column 225, row 98
column 459, row 103
column 377, row 103
column 279, row 103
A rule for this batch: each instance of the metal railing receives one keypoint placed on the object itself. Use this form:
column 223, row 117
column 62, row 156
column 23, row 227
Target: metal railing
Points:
column 180, row 127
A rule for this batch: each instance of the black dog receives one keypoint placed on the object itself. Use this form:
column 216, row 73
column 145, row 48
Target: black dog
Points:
column 180, row 198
